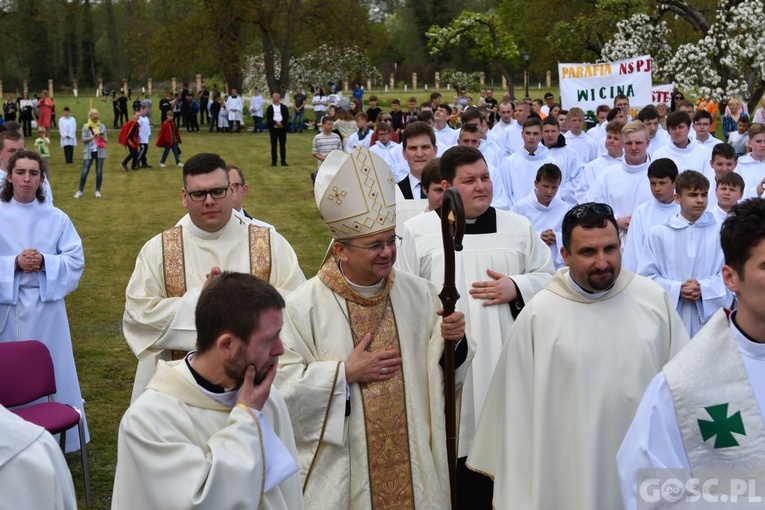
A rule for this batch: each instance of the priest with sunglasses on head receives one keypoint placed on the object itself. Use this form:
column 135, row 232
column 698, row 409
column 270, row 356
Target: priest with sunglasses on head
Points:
column 571, row 374
column 173, row 267
column 361, row 371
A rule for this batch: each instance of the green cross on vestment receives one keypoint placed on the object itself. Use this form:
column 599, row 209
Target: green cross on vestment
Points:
column 722, row 426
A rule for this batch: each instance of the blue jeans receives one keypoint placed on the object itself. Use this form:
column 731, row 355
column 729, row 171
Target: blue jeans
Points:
column 177, row 155
column 86, row 164
column 297, row 121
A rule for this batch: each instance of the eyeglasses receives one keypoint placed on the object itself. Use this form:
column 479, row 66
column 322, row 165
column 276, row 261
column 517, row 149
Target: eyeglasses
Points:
column 201, row 195
column 236, row 185
column 582, row 210
column 393, row 243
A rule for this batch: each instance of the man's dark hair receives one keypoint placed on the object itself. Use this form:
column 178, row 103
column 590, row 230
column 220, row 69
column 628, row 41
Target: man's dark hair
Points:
column 549, row 172
column 446, row 107
column 725, row 151
column 12, row 135
column 731, row 179
column 588, row 215
column 531, row 122
column 661, row 168
column 620, row 96
column 434, row 96
column 430, row 174
column 456, row 157
column 471, row 114
column 677, row 118
column 415, row 129
column 203, row 163
column 702, row 114
column 648, row 113
column 691, row 180
column 741, row 232
column 425, row 116
column 551, row 121
column 612, row 113
column 470, row 128
column 233, row 303
column 395, row 101
column 6, row 193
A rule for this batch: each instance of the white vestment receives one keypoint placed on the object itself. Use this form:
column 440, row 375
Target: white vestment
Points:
column 32, row 304
column 512, row 248
column 570, row 168
column 543, row 218
column 657, row 142
column 154, row 323
column 623, row 187
column 753, row 173
column 519, row 171
column 694, row 156
column 645, row 216
column 334, row 449
column 386, row 152
column 179, row 448
column 513, row 138
column 654, row 440
column 590, row 173
column 676, row 251
column 446, row 137
column 67, row 128
column 234, row 107
column 565, row 389
column 256, row 106
column 33, row 471
column 585, row 147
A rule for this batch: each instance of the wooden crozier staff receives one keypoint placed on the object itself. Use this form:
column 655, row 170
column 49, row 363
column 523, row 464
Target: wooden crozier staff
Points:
column 452, row 230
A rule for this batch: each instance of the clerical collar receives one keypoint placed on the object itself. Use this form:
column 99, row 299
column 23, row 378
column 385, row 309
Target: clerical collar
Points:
column 748, row 346
column 586, row 293
column 486, row 223
column 363, row 290
column 201, row 381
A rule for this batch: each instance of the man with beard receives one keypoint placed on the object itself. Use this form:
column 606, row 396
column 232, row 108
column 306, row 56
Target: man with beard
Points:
column 210, row 424
column 571, row 373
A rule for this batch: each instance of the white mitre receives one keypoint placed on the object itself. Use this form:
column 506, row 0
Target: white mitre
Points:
column 356, row 194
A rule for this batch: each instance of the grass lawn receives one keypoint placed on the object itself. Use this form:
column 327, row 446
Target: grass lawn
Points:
column 136, row 206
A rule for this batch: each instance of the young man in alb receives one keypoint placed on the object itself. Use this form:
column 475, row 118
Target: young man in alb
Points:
column 614, row 152
column 724, row 161
column 752, row 166
column 518, row 171
column 683, row 255
column 584, row 146
column 661, row 176
column 686, row 154
column 545, row 210
column 729, row 191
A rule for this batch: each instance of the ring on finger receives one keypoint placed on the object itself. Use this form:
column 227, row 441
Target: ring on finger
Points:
column 384, row 370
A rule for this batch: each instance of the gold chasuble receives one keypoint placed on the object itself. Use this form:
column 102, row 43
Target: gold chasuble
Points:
column 387, row 432
column 174, row 265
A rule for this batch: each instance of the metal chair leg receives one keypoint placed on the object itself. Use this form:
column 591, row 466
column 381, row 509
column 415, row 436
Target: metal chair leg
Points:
column 62, row 440
column 84, row 454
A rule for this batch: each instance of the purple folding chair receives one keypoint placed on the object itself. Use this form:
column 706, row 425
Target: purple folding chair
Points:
column 27, row 374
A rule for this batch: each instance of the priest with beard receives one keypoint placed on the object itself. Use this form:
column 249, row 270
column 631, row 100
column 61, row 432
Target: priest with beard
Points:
column 211, row 431
column 571, row 374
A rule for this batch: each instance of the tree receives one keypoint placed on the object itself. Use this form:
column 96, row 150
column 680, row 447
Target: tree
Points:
column 482, row 35
column 727, row 59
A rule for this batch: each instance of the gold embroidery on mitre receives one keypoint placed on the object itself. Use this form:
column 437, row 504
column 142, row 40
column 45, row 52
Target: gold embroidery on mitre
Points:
column 174, row 268
column 260, row 252
column 384, row 402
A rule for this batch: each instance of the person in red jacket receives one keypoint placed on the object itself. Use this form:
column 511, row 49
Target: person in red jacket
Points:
column 169, row 138
column 129, row 139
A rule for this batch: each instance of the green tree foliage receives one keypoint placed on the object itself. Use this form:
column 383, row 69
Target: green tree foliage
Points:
column 483, row 36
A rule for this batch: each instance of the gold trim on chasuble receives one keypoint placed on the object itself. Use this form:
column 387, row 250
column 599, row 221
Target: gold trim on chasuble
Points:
column 384, row 402
column 174, row 269
column 174, row 266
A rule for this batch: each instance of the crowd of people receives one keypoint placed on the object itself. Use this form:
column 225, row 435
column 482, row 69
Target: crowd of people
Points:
column 609, row 268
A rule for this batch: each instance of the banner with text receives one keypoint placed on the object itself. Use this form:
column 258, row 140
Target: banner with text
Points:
column 590, row 85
